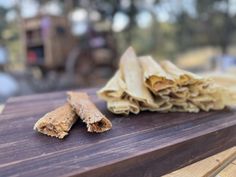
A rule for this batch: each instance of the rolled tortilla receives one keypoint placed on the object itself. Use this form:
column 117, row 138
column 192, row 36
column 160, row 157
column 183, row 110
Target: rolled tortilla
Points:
column 155, row 78
column 88, row 112
column 132, row 75
column 57, row 123
column 181, row 77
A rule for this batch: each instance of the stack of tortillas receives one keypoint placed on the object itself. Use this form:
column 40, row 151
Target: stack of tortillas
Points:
column 143, row 84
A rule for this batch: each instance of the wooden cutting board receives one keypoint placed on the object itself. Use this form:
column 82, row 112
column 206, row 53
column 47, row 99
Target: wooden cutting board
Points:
column 148, row 144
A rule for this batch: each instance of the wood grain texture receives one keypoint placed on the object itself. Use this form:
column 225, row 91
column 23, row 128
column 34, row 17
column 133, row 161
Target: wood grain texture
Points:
column 148, row 144
column 229, row 171
column 206, row 167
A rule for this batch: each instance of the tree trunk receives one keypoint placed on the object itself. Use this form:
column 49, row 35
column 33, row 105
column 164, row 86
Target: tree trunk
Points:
column 227, row 31
column 132, row 13
column 20, row 23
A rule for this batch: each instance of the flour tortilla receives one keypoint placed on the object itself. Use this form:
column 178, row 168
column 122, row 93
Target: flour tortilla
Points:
column 189, row 108
column 112, row 90
column 181, row 77
column 143, row 84
column 132, row 76
column 180, row 92
column 223, row 79
column 123, row 107
column 155, row 77
column 209, row 102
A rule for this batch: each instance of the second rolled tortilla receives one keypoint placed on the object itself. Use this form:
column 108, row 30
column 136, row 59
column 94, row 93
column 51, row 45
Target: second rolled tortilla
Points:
column 88, row 112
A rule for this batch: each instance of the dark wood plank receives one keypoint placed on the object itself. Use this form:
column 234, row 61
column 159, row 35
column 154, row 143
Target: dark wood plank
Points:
column 148, row 144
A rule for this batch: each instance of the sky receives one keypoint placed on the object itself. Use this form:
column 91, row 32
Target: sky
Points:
column 166, row 9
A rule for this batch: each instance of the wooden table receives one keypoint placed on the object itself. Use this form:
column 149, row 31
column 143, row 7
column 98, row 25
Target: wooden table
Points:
column 147, row 144
column 219, row 165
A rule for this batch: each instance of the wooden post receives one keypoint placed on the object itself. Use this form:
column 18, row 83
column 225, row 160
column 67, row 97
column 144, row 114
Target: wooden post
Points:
column 20, row 23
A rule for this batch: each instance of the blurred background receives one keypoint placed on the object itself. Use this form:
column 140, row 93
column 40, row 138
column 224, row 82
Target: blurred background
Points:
column 49, row 45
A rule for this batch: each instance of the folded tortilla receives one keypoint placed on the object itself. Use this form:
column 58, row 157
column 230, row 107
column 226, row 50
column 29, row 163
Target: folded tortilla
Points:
column 193, row 91
column 123, row 107
column 222, row 79
column 155, row 78
column 88, row 112
column 222, row 94
column 112, row 90
column 165, row 107
column 180, row 92
column 143, row 84
column 163, row 92
column 209, row 102
column 132, row 75
column 227, row 82
column 181, row 77
column 189, row 108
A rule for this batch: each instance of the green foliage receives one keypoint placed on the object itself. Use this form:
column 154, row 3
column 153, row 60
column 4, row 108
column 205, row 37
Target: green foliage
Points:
column 216, row 22
column 3, row 23
column 211, row 25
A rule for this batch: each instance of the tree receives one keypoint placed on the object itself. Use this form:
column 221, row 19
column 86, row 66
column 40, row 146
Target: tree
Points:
column 3, row 22
column 185, row 31
column 219, row 23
